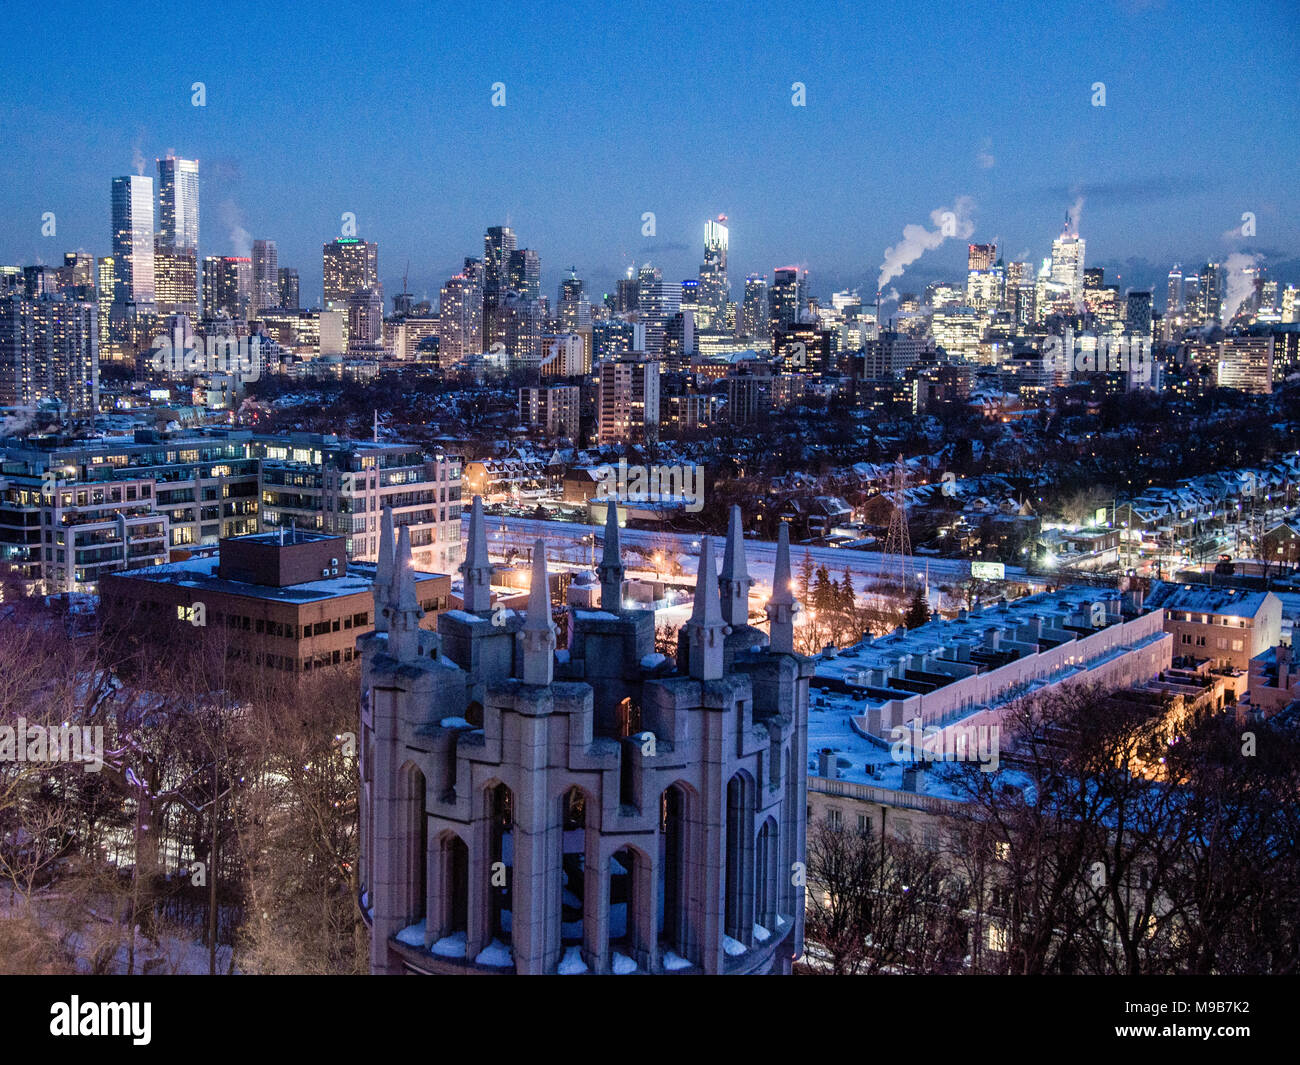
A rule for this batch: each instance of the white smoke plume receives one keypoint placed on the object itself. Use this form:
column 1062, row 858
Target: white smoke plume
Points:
column 1240, row 285
column 951, row 221
column 1074, row 214
column 137, row 159
column 241, row 241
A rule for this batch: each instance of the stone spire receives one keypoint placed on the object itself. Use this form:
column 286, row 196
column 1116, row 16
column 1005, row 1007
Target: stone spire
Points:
column 476, row 570
column 705, row 631
column 384, row 570
column 404, row 605
column 781, row 607
column 539, row 631
column 735, row 575
column 610, row 571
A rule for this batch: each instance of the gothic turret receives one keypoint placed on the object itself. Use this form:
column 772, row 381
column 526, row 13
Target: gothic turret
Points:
column 539, row 631
column 610, row 571
column 706, row 630
column 780, row 608
column 384, row 571
column 735, row 575
column 476, row 570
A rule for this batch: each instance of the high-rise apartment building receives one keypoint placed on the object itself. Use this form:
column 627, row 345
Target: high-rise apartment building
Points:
column 227, row 286
column 176, row 280
column 525, row 273
column 287, row 280
column 49, row 350
column 178, row 203
column 133, row 242
column 266, row 276
column 754, row 308
column 785, row 298
column 349, row 264
column 460, row 320
column 627, row 401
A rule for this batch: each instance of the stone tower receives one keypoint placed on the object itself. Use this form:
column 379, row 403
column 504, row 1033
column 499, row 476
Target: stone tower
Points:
column 604, row 810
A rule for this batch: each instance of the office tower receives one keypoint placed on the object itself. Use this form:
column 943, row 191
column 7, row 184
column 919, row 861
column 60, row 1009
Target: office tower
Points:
column 785, row 298
column 1137, row 315
column 981, row 256
column 525, row 273
column 227, row 286
column 1290, row 305
column 178, row 203
column 49, row 350
column 627, row 401
column 133, row 243
column 754, row 308
column 1067, row 265
column 1209, row 293
column 266, row 276
column 349, row 263
column 1174, row 291
column 176, row 280
column 287, row 279
column 625, row 300
column 76, row 277
column 1020, row 292
column 460, row 320
column 714, row 287
column 574, row 308
column 985, row 288
column 1246, row 364
column 1268, row 297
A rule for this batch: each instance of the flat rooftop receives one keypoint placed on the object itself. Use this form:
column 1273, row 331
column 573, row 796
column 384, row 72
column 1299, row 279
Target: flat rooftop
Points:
column 201, row 574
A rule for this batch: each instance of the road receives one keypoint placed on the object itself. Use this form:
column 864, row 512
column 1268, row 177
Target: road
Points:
column 564, row 541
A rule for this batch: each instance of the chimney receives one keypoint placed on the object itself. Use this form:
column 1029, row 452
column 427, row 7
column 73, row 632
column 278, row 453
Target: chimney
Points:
column 827, row 766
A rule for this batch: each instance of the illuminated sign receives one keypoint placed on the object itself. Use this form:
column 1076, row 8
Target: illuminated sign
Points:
column 989, row 571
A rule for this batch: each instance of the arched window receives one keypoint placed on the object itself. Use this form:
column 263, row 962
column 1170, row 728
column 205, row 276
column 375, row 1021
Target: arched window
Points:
column 453, row 886
column 501, row 860
column 628, row 873
column 767, row 888
column 415, row 847
column 573, row 867
column 739, row 915
column 672, row 924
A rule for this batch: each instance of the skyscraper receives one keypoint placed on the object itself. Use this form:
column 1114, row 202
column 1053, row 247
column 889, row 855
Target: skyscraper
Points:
column 266, row 276
column 178, row 202
column 227, row 286
column 287, row 278
column 525, row 273
column 981, row 256
column 753, row 313
column 784, row 298
column 176, row 280
column 1067, row 265
column 349, row 263
column 715, row 289
column 1137, row 317
column 49, row 350
column 460, row 320
column 133, row 242
column 1209, row 293
column 1174, row 291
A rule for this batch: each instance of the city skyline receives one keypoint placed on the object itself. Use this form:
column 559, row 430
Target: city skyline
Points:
column 424, row 180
